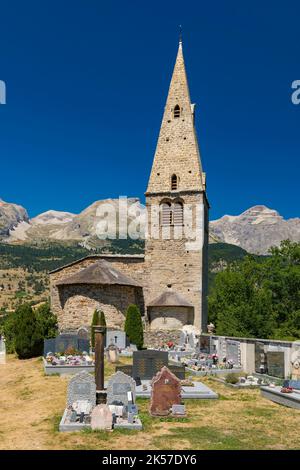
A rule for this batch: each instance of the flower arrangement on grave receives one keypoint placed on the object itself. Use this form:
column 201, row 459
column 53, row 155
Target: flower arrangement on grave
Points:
column 79, row 358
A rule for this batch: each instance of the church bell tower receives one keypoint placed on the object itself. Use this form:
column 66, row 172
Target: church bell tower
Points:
column 177, row 240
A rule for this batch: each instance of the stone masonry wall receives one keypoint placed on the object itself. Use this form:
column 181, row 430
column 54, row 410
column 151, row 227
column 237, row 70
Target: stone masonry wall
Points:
column 73, row 304
column 173, row 262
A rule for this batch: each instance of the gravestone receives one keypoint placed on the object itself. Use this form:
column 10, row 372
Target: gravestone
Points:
column 182, row 338
column 65, row 341
column 221, row 350
column 165, row 392
column 117, row 338
column 233, row 351
column 192, row 341
column 126, row 369
column 118, row 387
column 179, row 371
column 2, row 352
column 83, row 333
column 260, row 357
column 82, row 387
column 147, row 363
column 101, row 418
column 275, row 363
column 112, row 354
column 205, row 344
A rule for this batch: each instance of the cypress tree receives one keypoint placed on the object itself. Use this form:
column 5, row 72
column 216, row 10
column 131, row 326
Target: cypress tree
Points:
column 134, row 326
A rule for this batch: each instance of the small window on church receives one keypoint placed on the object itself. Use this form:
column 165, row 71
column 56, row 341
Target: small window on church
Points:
column 177, row 111
column 178, row 213
column 166, row 213
column 174, row 182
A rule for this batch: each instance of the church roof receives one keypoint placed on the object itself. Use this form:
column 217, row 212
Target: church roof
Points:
column 177, row 151
column 170, row 298
column 113, row 256
column 101, row 272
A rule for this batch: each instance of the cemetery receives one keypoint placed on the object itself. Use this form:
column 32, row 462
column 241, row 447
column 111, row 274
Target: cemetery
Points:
column 94, row 404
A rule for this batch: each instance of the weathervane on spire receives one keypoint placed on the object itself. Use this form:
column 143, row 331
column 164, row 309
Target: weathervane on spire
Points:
column 180, row 34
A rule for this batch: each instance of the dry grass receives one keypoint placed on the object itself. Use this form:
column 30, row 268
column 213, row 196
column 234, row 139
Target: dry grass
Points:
column 32, row 404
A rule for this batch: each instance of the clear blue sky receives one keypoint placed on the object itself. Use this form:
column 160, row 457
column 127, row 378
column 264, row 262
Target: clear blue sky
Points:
column 86, row 87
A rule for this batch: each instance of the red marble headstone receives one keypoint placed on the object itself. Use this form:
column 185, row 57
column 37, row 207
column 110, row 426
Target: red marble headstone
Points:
column 166, row 391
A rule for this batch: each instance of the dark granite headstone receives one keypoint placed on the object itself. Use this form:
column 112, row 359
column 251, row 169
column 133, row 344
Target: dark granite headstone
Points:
column 260, row 358
column 179, row 371
column 275, row 363
column 205, row 344
column 147, row 363
column 63, row 342
column 49, row 346
column 126, row 369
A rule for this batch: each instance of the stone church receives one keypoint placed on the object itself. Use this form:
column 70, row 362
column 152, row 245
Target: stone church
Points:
column 168, row 282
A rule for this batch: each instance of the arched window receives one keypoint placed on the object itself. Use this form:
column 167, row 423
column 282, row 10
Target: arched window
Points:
column 174, row 182
column 177, row 111
column 166, row 213
column 178, row 213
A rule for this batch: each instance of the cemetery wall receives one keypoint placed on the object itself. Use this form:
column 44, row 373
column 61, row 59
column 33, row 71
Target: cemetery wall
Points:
column 248, row 348
column 154, row 339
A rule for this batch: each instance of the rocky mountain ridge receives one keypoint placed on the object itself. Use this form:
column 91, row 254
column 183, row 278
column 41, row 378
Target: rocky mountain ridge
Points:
column 255, row 230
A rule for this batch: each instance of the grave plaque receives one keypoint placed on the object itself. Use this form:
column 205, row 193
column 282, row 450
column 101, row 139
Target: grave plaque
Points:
column 275, row 363
column 101, row 418
column 118, row 387
column 260, row 358
column 178, row 410
column 233, row 351
column 147, row 363
column 82, row 387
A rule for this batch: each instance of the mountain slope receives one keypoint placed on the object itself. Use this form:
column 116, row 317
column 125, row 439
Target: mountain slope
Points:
column 256, row 229
column 10, row 216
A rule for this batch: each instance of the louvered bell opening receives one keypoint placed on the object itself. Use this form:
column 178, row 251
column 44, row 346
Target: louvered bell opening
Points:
column 178, row 213
column 166, row 214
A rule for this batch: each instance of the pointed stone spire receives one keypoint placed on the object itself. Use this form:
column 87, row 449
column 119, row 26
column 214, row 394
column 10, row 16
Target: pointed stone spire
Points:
column 177, row 151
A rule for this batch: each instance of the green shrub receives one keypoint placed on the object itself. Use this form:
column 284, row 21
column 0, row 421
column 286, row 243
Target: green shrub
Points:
column 232, row 378
column 8, row 329
column 134, row 326
column 28, row 333
column 47, row 321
